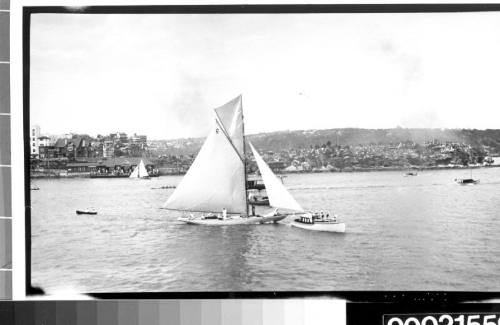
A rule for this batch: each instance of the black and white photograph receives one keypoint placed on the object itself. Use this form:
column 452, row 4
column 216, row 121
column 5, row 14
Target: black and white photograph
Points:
column 249, row 152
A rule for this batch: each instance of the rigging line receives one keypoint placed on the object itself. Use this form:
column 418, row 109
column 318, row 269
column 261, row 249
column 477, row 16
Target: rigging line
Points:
column 228, row 137
column 245, row 162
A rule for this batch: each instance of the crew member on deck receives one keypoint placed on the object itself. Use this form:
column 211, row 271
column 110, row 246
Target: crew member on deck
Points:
column 224, row 213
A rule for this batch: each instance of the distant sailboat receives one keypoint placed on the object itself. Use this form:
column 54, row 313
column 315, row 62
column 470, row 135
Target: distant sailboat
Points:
column 216, row 182
column 140, row 171
column 467, row 181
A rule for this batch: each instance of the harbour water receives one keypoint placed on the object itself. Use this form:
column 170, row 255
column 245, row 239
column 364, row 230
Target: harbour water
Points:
column 403, row 233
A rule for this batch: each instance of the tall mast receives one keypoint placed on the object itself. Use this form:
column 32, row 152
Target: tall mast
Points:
column 244, row 154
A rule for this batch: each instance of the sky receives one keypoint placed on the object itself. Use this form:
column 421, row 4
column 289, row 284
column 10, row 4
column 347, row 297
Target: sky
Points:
column 161, row 75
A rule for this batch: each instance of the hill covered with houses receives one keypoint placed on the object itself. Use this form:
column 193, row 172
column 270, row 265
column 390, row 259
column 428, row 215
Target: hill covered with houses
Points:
column 344, row 149
column 285, row 151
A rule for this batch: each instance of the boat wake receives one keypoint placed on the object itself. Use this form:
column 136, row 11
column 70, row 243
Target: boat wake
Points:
column 332, row 187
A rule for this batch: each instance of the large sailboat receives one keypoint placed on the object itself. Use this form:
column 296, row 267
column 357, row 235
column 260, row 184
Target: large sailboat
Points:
column 215, row 186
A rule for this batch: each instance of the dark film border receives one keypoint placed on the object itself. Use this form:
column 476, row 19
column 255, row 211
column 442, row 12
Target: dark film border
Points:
column 424, row 297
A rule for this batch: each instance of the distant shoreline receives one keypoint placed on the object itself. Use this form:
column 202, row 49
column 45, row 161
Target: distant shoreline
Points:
column 382, row 169
column 63, row 173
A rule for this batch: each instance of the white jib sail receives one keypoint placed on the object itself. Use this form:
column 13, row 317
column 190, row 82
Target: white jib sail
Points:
column 231, row 117
column 215, row 180
column 142, row 170
column 278, row 195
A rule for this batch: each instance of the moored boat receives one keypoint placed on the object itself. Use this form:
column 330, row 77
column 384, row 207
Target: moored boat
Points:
column 87, row 211
column 316, row 222
column 466, row 181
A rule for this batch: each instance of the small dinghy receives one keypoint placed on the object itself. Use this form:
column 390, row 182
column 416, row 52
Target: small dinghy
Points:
column 317, row 222
column 86, row 211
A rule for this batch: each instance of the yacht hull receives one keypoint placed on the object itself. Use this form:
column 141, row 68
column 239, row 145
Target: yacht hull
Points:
column 232, row 221
column 467, row 181
column 86, row 212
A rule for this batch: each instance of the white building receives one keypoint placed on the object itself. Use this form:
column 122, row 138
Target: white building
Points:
column 44, row 141
column 108, row 149
column 34, row 142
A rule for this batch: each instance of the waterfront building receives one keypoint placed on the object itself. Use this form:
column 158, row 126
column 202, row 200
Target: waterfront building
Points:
column 139, row 140
column 77, row 167
column 115, row 167
column 96, row 149
column 276, row 166
column 77, row 148
column 49, row 152
column 123, row 137
column 74, row 148
column 108, row 150
column 60, row 146
column 43, row 141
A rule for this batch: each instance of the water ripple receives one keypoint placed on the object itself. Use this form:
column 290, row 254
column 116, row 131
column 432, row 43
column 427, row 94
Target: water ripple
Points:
column 417, row 233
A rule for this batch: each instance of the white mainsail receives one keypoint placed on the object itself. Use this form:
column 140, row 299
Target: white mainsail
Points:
column 215, row 180
column 278, row 195
column 231, row 117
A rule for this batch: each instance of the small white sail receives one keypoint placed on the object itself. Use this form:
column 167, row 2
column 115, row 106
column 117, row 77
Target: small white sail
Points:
column 139, row 171
column 215, row 180
column 278, row 195
column 231, row 117
column 135, row 172
column 142, row 170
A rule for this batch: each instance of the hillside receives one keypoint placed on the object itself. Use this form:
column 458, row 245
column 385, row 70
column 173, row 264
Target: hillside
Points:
column 276, row 141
